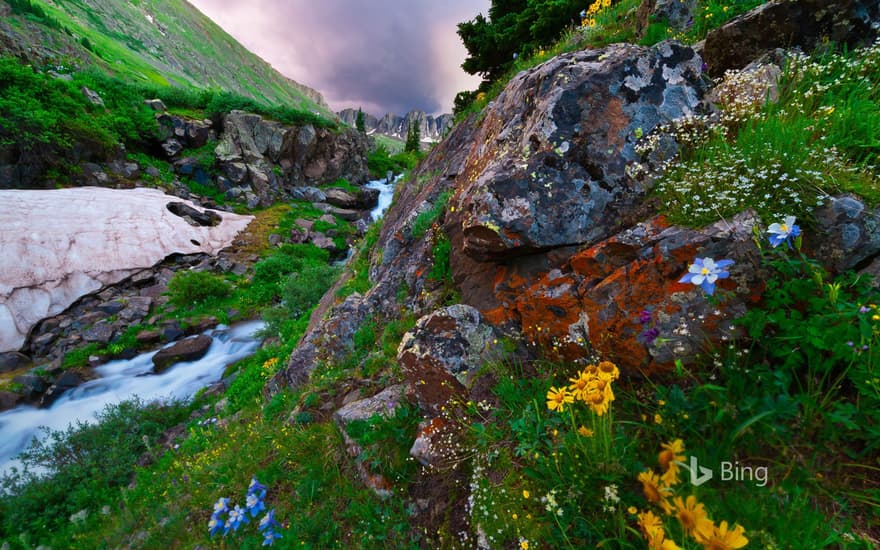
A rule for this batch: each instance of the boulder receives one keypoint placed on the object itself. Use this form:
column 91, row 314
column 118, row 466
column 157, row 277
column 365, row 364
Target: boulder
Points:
column 190, row 349
column 788, row 24
column 186, row 132
column 92, row 96
column 207, row 218
column 33, row 386
column 555, row 175
column 64, row 381
column 678, row 14
column 13, row 360
column 101, row 332
column 156, row 105
column 441, row 351
column 9, row 400
column 308, row 194
column 364, row 199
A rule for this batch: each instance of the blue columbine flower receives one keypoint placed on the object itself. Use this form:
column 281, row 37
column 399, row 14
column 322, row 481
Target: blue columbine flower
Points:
column 222, row 505
column 236, row 518
column 254, row 503
column 256, row 487
column 269, row 537
column 705, row 271
column 215, row 525
column 783, row 232
column 268, row 521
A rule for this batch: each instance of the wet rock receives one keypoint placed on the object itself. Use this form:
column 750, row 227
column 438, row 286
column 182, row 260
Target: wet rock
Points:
column 441, row 351
column 9, row 400
column 65, row 381
column 33, row 386
column 13, row 360
column 190, row 349
column 789, row 24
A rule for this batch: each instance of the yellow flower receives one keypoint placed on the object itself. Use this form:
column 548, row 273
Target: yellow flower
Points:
column 654, row 491
column 632, row 510
column 652, row 528
column 586, row 432
column 580, row 385
column 557, row 398
column 670, row 476
column 693, row 518
column 658, row 419
column 724, row 539
column 524, row 545
column 671, row 453
column 608, row 370
column 526, row 493
column 598, row 403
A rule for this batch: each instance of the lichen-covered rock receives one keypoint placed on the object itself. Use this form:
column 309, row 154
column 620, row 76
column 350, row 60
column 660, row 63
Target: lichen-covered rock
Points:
column 848, row 233
column 441, row 351
column 678, row 14
column 549, row 169
column 788, row 24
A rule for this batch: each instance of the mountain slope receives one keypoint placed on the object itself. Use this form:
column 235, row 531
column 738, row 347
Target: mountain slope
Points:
column 432, row 128
column 163, row 42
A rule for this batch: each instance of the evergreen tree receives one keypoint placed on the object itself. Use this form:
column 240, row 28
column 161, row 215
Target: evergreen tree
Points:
column 360, row 122
column 413, row 137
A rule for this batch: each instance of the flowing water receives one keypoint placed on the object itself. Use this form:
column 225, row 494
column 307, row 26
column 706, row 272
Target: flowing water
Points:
column 121, row 380
column 386, row 194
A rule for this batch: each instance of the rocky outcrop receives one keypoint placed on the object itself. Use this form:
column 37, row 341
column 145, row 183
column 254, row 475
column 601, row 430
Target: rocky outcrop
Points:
column 788, row 24
column 268, row 159
column 432, row 129
column 178, row 133
column 80, row 240
column 678, row 14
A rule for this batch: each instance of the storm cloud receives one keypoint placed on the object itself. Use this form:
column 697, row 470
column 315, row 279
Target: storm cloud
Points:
column 381, row 55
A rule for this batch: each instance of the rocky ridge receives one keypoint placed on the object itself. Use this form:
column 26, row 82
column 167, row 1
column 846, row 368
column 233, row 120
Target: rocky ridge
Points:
column 432, row 129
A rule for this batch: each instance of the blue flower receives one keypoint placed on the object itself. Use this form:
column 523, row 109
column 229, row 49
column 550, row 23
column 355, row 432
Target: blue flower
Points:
column 236, row 518
column 215, row 525
column 256, row 487
column 269, row 537
column 222, row 505
column 268, row 521
column 254, row 503
column 705, row 271
column 783, row 232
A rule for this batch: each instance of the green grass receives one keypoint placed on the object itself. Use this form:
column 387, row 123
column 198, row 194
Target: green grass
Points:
column 426, row 219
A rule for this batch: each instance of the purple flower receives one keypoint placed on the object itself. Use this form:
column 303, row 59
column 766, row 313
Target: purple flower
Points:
column 864, row 309
column 644, row 317
column 647, row 337
column 783, row 232
column 705, row 271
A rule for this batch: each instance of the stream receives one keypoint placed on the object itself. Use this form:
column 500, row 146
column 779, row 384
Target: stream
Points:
column 121, row 380
column 125, row 379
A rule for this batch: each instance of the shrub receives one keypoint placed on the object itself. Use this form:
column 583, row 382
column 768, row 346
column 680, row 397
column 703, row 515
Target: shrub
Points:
column 191, row 287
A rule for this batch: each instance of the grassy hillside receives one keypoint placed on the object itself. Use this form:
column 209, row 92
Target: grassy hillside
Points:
column 160, row 42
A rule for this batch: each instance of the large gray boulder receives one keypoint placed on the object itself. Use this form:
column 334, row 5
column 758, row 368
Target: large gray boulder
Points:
column 190, row 349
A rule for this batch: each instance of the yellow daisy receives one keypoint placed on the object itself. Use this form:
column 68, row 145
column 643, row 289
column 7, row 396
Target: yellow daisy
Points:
column 608, row 370
column 693, row 517
column 654, row 491
column 724, row 539
column 580, row 385
column 557, row 398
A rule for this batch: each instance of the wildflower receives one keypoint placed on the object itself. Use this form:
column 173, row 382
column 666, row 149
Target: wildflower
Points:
column 654, row 492
column 704, row 272
column 268, row 521
column 254, row 504
column 557, row 398
column 585, row 432
column 524, row 544
column 632, row 510
column 671, row 453
column 599, row 401
column 222, row 505
column 783, row 232
column 256, row 487
column 608, row 371
column 652, row 528
column 525, row 493
column 724, row 539
column 658, row 419
column 644, row 317
column 236, row 518
column 215, row 525
column 693, row 518
column 579, row 386
column 269, row 538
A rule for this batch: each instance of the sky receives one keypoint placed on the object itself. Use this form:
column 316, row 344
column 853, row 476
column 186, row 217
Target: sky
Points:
column 380, row 55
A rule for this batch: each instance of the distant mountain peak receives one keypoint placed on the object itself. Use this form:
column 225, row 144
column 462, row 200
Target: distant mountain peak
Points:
column 432, row 128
